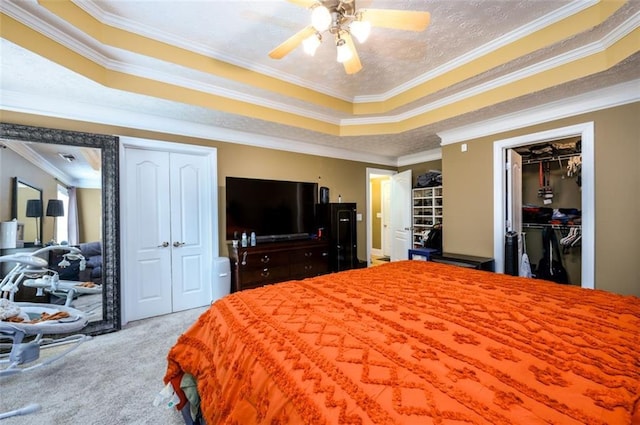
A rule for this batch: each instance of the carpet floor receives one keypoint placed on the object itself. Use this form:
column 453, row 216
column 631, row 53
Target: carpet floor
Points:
column 109, row 379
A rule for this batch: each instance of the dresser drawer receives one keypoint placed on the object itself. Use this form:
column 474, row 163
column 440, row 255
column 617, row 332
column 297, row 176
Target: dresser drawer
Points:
column 262, row 276
column 309, row 254
column 308, row 269
column 268, row 263
column 261, row 260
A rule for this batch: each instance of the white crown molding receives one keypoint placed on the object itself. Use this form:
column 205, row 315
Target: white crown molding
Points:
column 609, row 97
column 58, row 108
column 92, row 8
column 101, row 59
column 39, row 161
column 214, row 90
column 528, row 29
column 574, row 55
column 416, row 158
column 146, row 72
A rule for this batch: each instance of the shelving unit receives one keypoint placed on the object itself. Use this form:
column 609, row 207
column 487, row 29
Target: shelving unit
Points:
column 426, row 211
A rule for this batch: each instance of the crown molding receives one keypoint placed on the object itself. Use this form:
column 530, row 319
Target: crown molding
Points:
column 59, row 108
column 94, row 9
column 67, row 39
column 574, row 55
column 528, row 29
column 39, row 161
column 416, row 158
column 609, row 97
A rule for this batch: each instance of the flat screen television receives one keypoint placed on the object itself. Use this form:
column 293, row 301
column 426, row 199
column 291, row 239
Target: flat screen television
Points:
column 273, row 209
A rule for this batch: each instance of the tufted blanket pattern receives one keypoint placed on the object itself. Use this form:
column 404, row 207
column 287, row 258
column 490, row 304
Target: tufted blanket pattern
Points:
column 415, row 342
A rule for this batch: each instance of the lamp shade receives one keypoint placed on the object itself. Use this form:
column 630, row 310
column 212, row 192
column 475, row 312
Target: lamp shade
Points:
column 34, row 208
column 55, row 208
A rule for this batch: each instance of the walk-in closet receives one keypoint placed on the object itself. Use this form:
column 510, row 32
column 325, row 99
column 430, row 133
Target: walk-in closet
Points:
column 551, row 210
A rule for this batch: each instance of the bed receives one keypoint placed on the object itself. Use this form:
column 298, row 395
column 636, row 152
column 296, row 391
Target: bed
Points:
column 413, row 342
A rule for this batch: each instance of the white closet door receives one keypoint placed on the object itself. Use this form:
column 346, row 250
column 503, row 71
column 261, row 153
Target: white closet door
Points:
column 191, row 258
column 169, row 236
column 401, row 226
column 514, row 197
column 514, row 191
column 147, row 279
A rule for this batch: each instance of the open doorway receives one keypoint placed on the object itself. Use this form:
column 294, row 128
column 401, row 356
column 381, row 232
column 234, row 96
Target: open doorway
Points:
column 585, row 132
column 378, row 205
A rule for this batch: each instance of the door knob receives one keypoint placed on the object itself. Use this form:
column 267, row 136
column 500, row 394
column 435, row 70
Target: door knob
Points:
column 164, row 245
column 178, row 244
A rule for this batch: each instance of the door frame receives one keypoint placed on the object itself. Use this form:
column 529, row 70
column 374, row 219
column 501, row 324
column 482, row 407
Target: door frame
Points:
column 211, row 153
column 372, row 173
column 586, row 132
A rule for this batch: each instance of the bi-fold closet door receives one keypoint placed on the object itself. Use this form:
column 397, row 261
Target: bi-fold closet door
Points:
column 168, row 247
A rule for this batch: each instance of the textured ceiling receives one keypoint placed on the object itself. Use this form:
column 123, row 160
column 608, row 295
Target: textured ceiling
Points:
column 476, row 60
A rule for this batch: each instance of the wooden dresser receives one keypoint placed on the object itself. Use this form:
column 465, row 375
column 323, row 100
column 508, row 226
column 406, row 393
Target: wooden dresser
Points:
column 274, row 262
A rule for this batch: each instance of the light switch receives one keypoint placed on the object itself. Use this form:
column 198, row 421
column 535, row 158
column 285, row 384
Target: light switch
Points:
column 463, row 147
column 358, row 217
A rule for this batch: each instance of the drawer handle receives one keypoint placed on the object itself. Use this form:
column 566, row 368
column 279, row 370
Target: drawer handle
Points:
column 244, row 258
column 265, row 259
column 265, row 273
column 308, row 254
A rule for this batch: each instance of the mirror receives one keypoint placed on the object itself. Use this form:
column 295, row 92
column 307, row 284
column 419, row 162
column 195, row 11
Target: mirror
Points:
column 22, row 208
column 107, row 147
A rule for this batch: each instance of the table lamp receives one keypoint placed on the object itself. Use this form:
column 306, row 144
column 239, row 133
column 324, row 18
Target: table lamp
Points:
column 55, row 209
column 34, row 209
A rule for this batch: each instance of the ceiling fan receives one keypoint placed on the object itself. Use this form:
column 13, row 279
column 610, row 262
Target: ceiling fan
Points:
column 341, row 20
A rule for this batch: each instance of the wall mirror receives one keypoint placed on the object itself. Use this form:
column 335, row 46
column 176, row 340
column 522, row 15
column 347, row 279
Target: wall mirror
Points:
column 27, row 198
column 107, row 318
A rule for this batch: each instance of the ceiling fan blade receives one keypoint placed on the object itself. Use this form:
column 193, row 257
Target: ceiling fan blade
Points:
column 303, row 3
column 291, row 43
column 352, row 65
column 408, row 20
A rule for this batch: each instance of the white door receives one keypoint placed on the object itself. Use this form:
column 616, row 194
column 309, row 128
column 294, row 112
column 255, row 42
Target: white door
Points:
column 191, row 259
column 385, row 194
column 401, row 215
column 147, row 283
column 168, row 207
column 514, row 197
column 514, row 191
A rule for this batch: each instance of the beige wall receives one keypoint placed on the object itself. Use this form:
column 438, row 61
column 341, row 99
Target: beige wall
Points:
column 468, row 185
column 468, row 195
column 345, row 178
column 342, row 177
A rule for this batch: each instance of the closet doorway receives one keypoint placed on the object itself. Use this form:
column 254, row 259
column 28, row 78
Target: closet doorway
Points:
column 169, row 228
column 582, row 269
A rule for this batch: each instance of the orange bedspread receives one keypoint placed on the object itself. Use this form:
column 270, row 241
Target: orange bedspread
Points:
column 415, row 342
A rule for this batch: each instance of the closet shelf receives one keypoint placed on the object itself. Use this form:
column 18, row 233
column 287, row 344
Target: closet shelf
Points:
column 527, row 161
column 553, row 226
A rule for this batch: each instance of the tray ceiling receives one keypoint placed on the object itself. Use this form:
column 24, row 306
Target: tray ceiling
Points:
column 202, row 66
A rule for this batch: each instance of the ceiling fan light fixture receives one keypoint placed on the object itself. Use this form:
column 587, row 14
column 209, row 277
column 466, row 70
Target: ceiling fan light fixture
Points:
column 344, row 53
column 311, row 44
column 361, row 30
column 320, row 18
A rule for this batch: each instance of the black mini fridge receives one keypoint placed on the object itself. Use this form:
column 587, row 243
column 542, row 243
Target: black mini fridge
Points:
column 337, row 225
